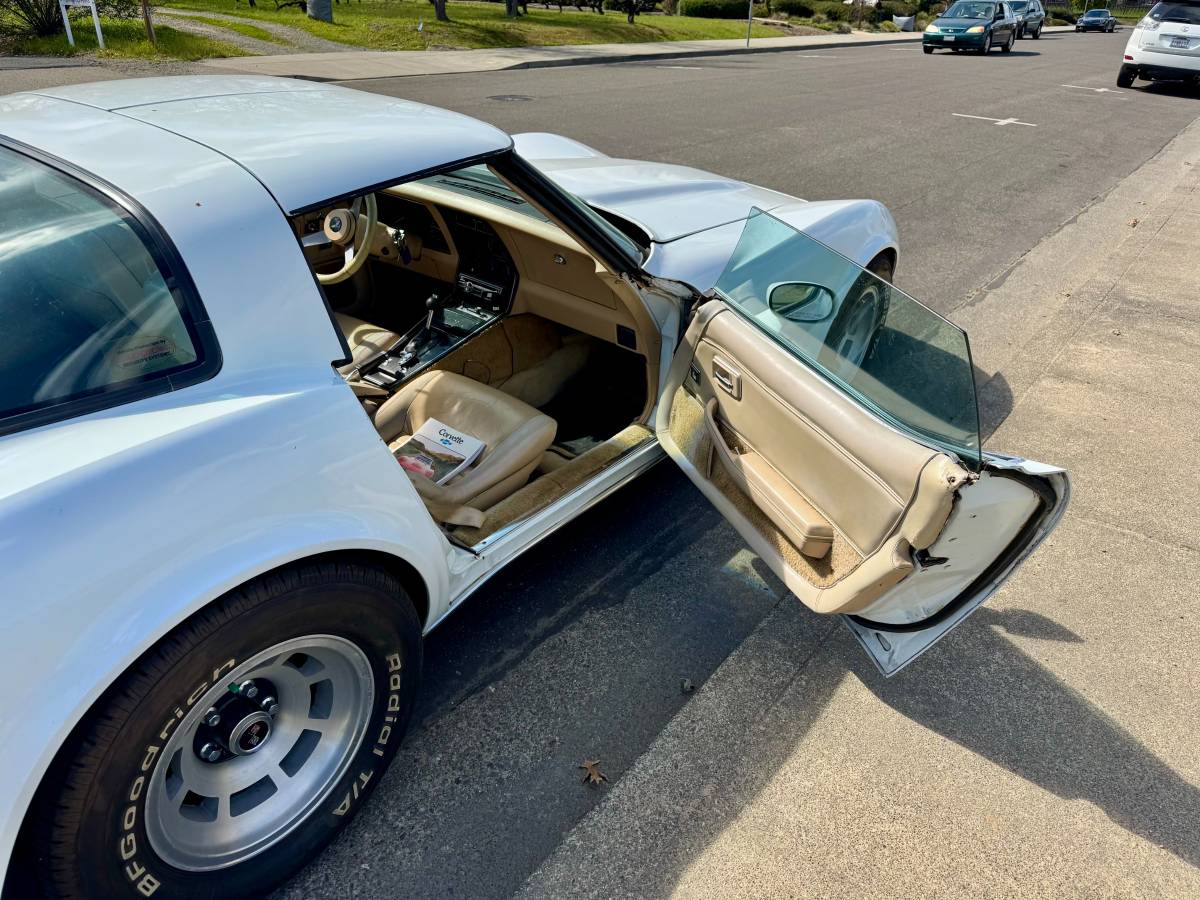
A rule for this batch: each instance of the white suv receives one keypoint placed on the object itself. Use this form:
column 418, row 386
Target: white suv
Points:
column 1165, row 45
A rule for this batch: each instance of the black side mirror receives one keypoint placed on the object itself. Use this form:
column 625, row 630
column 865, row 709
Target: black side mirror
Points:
column 800, row 301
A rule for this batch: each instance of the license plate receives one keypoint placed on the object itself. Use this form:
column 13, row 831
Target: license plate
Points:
column 948, row 38
column 1179, row 43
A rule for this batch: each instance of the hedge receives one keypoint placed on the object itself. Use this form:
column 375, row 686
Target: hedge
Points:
column 1061, row 12
column 890, row 8
column 713, row 9
column 832, row 10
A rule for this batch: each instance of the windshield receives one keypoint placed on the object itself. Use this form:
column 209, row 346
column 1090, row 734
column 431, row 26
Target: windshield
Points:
column 1018, row 7
column 966, row 9
column 479, row 181
column 899, row 358
column 1096, row 14
column 1188, row 13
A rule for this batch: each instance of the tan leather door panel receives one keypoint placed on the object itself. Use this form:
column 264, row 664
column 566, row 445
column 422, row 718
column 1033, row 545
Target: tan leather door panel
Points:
column 833, row 499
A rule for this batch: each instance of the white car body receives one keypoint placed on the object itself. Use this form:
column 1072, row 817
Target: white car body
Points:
column 1165, row 50
column 121, row 523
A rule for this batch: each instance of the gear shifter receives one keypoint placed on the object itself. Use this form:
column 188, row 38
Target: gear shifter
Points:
column 433, row 304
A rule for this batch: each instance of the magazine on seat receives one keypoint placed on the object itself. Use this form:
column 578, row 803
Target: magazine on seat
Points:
column 438, row 452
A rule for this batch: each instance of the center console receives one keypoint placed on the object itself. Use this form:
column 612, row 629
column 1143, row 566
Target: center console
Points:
column 474, row 305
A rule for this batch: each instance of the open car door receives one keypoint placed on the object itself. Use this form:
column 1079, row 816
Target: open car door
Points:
column 833, row 420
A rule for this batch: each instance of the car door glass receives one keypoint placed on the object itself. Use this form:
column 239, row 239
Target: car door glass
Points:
column 85, row 307
column 896, row 356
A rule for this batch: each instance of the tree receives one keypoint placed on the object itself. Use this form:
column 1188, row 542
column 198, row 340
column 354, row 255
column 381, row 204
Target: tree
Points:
column 321, row 10
column 632, row 7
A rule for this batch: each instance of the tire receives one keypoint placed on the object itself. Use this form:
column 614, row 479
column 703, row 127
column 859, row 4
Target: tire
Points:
column 340, row 647
column 1012, row 39
column 1125, row 77
column 1037, row 32
column 987, row 45
column 855, row 332
column 927, row 50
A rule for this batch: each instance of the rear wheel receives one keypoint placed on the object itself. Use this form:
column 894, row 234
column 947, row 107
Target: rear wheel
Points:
column 240, row 745
column 1012, row 39
column 1125, row 77
column 927, row 50
column 1037, row 32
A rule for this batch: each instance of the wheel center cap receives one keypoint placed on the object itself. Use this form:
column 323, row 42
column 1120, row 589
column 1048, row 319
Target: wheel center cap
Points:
column 250, row 734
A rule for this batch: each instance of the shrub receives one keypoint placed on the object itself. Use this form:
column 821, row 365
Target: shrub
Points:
column 834, row 11
column 888, row 25
column 762, row 10
column 891, row 8
column 713, row 9
column 1061, row 12
column 844, row 28
column 800, row 8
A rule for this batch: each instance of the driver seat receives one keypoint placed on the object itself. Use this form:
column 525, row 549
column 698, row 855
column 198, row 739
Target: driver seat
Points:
column 365, row 339
column 515, row 436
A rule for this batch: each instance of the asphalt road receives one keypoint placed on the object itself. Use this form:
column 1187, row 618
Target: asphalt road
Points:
column 580, row 651
column 970, row 196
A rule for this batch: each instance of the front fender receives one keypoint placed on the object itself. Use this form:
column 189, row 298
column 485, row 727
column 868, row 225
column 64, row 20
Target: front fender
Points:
column 858, row 229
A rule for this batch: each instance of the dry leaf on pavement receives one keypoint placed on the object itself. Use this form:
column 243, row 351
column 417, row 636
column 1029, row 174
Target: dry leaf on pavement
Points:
column 593, row 775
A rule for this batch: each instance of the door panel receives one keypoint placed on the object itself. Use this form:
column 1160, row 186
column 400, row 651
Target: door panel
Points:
column 849, row 459
column 833, row 494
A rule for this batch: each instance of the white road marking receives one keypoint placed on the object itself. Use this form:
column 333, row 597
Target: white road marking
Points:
column 994, row 121
column 1080, row 87
column 693, row 68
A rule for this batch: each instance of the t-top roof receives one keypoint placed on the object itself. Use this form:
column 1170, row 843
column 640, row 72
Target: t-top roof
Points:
column 305, row 142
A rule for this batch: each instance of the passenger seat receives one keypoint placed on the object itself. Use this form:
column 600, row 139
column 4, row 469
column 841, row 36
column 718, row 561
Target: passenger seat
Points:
column 515, row 433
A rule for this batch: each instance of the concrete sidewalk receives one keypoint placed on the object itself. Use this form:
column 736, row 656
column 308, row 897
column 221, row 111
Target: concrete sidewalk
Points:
column 1049, row 746
column 364, row 64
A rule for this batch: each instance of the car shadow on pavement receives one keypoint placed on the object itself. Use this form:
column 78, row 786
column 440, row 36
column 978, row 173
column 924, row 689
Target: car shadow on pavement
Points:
column 977, row 689
column 578, row 650
column 1002, row 704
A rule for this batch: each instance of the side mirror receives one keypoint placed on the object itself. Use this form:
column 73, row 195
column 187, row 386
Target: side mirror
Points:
column 800, row 301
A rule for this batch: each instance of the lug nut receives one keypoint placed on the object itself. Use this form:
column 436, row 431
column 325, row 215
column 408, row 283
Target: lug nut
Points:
column 210, row 752
column 248, row 689
column 212, row 718
column 269, row 705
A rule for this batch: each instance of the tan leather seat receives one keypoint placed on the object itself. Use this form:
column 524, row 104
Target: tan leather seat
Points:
column 515, row 433
column 365, row 339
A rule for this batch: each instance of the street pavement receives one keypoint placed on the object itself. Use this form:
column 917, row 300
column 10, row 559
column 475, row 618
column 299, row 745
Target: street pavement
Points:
column 1048, row 746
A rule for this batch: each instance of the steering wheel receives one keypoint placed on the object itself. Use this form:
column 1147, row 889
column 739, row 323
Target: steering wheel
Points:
column 346, row 228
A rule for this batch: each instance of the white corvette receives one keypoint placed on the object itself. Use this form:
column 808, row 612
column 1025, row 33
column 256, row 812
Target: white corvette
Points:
column 226, row 305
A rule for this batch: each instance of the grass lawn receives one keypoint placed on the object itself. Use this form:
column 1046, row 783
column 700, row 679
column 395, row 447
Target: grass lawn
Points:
column 393, row 25
column 124, row 39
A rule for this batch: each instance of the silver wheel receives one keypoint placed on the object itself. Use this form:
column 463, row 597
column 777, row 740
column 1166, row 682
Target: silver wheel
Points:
column 855, row 341
column 228, row 786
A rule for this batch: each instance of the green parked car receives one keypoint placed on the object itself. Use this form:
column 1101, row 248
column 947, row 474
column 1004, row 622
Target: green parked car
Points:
column 977, row 25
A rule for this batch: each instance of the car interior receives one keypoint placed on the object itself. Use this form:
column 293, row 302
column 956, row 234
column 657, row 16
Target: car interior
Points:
column 470, row 307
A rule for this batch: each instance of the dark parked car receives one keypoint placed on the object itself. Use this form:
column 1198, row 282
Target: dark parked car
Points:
column 975, row 25
column 1096, row 20
column 1031, row 17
